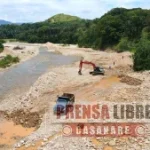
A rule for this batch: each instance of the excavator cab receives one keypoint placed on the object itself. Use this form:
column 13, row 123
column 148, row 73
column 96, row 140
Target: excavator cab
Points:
column 98, row 71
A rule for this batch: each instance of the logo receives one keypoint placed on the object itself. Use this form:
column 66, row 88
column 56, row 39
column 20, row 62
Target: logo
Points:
column 104, row 119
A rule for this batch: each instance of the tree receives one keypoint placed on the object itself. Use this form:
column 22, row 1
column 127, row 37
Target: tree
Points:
column 123, row 45
column 146, row 33
column 142, row 56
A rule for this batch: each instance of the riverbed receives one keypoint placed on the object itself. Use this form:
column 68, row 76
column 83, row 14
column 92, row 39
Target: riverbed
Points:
column 22, row 76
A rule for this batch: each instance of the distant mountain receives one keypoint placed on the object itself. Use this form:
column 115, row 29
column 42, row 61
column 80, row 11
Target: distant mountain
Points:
column 3, row 22
column 63, row 18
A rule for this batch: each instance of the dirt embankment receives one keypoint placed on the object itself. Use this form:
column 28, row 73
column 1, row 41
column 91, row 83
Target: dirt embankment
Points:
column 128, row 86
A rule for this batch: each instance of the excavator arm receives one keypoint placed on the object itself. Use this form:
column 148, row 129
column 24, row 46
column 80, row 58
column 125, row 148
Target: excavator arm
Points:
column 85, row 62
column 96, row 70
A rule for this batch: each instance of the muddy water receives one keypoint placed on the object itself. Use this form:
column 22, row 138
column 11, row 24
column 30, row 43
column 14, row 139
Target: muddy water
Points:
column 100, row 87
column 11, row 133
column 22, row 76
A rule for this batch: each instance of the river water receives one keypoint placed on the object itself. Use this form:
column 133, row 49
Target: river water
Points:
column 23, row 75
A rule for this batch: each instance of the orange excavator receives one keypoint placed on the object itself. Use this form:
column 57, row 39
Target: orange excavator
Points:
column 96, row 70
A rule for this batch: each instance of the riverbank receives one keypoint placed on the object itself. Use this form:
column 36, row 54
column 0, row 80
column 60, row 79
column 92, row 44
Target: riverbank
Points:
column 23, row 51
column 120, row 84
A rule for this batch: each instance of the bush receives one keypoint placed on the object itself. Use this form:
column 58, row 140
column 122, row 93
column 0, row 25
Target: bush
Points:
column 142, row 56
column 146, row 33
column 2, row 41
column 8, row 60
column 1, row 47
column 123, row 45
column 16, row 60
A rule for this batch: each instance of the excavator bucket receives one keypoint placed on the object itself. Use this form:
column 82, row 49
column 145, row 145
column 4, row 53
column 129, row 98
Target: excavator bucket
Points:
column 79, row 72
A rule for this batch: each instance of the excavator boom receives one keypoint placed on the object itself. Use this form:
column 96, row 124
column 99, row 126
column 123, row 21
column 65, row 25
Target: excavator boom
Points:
column 96, row 70
column 86, row 62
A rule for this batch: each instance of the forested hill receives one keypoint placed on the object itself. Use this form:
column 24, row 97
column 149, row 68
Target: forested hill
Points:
column 116, row 28
column 57, row 29
column 120, row 29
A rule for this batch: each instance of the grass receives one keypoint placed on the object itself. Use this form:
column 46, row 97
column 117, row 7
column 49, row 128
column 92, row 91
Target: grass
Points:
column 8, row 60
column 1, row 50
column 63, row 18
column 8, row 40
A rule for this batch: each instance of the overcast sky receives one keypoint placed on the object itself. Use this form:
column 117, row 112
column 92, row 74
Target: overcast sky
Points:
column 39, row 10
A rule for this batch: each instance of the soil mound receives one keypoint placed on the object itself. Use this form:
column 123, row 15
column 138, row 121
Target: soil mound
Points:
column 130, row 80
column 26, row 119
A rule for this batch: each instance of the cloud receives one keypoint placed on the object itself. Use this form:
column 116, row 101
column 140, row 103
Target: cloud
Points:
column 39, row 10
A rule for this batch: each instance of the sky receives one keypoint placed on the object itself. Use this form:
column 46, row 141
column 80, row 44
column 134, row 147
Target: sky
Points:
column 40, row 10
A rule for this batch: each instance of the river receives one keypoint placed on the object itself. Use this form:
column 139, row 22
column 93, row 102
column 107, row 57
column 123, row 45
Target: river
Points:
column 23, row 75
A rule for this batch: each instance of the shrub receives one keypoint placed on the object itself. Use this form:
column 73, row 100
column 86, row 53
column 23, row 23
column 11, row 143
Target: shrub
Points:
column 2, row 41
column 146, row 33
column 142, row 56
column 1, row 47
column 123, row 45
column 8, row 60
column 16, row 60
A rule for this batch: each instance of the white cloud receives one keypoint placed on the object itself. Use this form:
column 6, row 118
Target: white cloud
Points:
column 31, row 11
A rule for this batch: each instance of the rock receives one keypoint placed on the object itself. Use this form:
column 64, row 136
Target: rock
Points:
column 22, row 141
column 21, row 121
column 112, row 143
column 27, row 145
column 18, row 145
column 45, row 139
column 43, row 143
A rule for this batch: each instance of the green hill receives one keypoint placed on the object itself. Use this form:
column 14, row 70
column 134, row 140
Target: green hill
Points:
column 119, row 29
column 63, row 18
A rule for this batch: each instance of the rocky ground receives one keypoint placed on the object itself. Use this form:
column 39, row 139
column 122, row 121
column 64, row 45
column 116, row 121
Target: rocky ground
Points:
column 120, row 84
